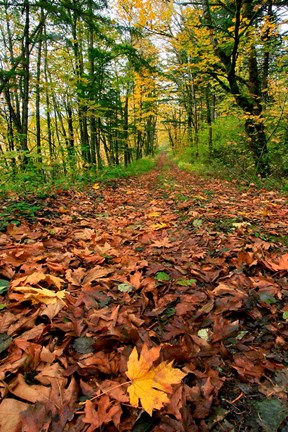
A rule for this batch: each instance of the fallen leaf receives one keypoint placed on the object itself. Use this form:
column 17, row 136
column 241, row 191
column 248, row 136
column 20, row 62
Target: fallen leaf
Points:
column 125, row 287
column 30, row 393
column 204, row 334
column 159, row 226
column 3, row 286
column 5, row 341
column 63, row 210
column 150, row 384
column 37, row 277
column 10, row 410
column 162, row 276
column 103, row 411
column 165, row 242
column 37, row 295
column 154, row 214
column 282, row 263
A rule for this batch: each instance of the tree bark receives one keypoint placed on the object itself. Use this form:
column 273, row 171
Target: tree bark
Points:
column 251, row 103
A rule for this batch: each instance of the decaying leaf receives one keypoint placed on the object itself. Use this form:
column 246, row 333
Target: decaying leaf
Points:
column 282, row 263
column 150, row 384
column 125, row 287
column 101, row 412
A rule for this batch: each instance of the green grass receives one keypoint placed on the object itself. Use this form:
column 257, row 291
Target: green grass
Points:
column 231, row 158
column 217, row 169
column 31, row 183
column 137, row 167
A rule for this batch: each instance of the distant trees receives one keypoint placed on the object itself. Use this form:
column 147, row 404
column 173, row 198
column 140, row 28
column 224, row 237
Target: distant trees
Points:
column 82, row 87
column 69, row 88
column 233, row 49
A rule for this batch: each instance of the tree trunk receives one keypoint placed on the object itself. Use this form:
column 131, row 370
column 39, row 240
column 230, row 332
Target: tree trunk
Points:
column 47, row 99
column 26, row 82
column 209, row 120
column 251, row 103
column 38, row 94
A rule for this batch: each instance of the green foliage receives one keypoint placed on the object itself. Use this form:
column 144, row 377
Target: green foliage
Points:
column 186, row 282
column 15, row 211
column 285, row 186
column 119, row 171
column 32, row 182
column 230, row 158
column 3, row 286
column 162, row 276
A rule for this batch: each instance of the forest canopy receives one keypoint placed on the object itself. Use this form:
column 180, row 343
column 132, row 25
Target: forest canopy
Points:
column 89, row 84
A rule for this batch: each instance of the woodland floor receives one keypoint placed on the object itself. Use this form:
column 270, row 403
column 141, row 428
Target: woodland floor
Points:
column 192, row 264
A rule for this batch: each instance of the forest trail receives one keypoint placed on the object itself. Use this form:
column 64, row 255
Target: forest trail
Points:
column 167, row 258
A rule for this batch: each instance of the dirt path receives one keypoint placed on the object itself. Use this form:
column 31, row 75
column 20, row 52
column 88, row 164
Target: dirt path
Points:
column 191, row 264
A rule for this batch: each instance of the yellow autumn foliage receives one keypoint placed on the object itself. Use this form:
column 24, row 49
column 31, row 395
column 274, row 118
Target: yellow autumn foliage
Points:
column 150, row 385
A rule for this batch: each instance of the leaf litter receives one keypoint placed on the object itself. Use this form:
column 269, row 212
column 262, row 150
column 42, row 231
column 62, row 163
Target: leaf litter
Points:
column 126, row 288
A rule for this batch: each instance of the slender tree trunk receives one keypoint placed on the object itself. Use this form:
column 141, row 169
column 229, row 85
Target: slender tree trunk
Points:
column 47, row 99
column 82, row 108
column 126, row 131
column 70, row 142
column 98, row 144
column 11, row 142
column 26, row 84
column 38, row 95
column 209, row 120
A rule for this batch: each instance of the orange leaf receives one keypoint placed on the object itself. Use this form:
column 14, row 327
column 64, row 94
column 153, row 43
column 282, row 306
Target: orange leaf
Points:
column 102, row 412
column 281, row 265
column 10, row 410
column 165, row 242
column 37, row 277
column 63, row 210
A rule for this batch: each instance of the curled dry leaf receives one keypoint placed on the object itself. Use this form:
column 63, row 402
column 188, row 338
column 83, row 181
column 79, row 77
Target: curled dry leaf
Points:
column 101, row 412
column 23, row 290
column 38, row 295
column 37, row 277
column 150, row 384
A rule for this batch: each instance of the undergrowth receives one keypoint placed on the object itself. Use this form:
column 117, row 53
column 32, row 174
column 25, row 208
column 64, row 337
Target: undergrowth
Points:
column 218, row 170
column 243, row 175
column 36, row 184
column 230, row 158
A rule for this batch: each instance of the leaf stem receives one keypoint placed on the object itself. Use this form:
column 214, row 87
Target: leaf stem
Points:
column 106, row 391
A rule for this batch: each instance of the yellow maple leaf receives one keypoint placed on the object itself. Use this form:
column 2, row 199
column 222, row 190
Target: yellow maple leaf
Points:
column 150, row 384
column 159, row 226
column 39, row 295
column 96, row 186
column 154, row 214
